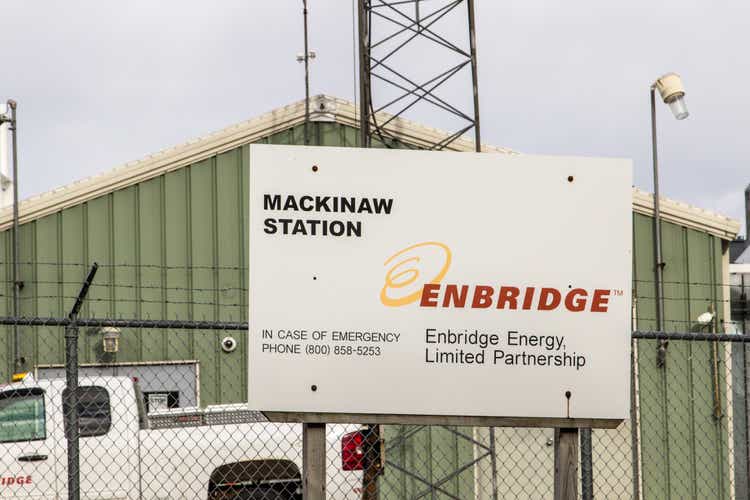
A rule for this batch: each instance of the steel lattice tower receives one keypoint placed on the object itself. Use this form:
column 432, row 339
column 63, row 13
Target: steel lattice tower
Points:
column 410, row 56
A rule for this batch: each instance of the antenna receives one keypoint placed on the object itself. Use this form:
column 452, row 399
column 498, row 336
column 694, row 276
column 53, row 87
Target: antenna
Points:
column 409, row 56
column 306, row 57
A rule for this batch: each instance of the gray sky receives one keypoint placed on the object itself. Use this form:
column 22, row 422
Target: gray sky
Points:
column 103, row 83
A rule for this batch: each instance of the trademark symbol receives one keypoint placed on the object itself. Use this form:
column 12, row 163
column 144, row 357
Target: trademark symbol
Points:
column 617, row 293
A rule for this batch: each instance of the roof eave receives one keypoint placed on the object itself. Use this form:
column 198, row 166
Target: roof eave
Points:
column 323, row 109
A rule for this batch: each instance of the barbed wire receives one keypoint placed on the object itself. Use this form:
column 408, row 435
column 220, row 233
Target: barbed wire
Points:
column 214, row 267
column 183, row 267
column 686, row 299
column 693, row 283
column 128, row 286
column 129, row 300
column 156, row 285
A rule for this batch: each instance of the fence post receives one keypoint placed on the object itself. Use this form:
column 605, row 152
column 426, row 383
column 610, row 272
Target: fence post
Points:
column 71, row 389
column 587, row 466
column 371, row 462
column 566, row 464
column 493, row 462
column 314, row 461
column 71, row 405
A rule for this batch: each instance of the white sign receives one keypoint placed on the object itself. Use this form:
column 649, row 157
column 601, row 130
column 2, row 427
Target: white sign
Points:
column 436, row 283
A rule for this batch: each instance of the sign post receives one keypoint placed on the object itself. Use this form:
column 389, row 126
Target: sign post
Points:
column 566, row 464
column 314, row 461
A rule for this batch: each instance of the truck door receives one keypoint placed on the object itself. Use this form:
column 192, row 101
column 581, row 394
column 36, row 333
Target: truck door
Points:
column 27, row 459
column 108, row 440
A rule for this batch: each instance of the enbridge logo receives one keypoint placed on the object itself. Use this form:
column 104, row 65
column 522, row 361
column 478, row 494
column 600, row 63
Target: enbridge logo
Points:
column 411, row 268
column 416, row 274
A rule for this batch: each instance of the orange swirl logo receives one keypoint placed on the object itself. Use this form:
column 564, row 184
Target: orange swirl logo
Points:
column 402, row 284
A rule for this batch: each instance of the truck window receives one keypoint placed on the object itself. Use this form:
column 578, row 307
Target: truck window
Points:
column 94, row 411
column 256, row 479
column 22, row 415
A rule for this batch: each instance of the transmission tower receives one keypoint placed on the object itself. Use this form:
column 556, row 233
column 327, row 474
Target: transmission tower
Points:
column 414, row 53
column 417, row 54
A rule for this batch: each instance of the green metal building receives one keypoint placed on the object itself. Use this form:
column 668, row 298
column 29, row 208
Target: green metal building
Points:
column 171, row 233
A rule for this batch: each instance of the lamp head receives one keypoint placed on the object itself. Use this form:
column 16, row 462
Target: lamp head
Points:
column 673, row 93
column 110, row 339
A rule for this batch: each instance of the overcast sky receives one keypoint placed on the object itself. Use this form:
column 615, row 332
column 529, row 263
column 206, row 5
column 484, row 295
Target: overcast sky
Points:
column 103, row 83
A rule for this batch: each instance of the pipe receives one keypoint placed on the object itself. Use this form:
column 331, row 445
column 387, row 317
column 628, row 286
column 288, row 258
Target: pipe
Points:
column 17, row 359
column 70, row 394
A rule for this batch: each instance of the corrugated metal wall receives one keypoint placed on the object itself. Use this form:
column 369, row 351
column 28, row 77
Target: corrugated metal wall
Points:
column 681, row 440
column 175, row 247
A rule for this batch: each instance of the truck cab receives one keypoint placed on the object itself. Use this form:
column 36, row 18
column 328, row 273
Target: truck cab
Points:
column 33, row 448
column 219, row 452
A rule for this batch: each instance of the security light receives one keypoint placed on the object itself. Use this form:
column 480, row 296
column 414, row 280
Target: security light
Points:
column 706, row 318
column 110, row 339
column 673, row 93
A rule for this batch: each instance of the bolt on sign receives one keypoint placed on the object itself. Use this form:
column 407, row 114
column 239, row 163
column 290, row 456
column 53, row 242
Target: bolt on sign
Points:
column 443, row 284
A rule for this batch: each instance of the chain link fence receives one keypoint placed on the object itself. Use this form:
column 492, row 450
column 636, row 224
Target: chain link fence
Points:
column 160, row 410
column 146, row 430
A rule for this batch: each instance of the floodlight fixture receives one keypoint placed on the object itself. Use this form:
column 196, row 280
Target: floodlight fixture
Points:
column 673, row 94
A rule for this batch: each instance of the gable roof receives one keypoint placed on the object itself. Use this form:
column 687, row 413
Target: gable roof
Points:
column 744, row 257
column 323, row 109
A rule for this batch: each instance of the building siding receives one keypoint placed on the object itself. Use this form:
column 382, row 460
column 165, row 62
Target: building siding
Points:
column 684, row 448
column 175, row 246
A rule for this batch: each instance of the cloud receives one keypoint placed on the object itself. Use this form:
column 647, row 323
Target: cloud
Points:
column 113, row 83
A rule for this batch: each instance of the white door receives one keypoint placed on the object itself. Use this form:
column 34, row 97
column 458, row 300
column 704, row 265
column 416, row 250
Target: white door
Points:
column 27, row 458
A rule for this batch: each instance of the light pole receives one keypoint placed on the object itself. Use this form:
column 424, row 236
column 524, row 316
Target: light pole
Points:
column 673, row 94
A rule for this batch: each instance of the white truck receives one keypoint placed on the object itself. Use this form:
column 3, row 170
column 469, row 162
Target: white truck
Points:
column 214, row 453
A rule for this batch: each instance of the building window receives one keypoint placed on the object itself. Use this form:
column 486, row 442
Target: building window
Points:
column 94, row 411
column 22, row 415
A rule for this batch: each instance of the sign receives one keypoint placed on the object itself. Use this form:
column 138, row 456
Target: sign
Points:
column 437, row 283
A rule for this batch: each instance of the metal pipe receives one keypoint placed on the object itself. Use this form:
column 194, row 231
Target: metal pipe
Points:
column 746, row 409
column 17, row 359
column 692, row 336
column 474, row 74
column 307, row 77
column 634, row 427
column 587, row 465
column 718, row 413
column 70, row 405
column 71, row 389
column 128, row 323
column 364, row 76
column 493, row 462
column 658, row 264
